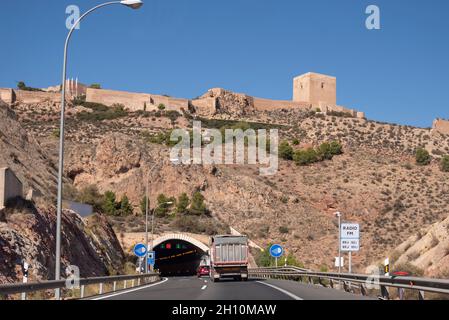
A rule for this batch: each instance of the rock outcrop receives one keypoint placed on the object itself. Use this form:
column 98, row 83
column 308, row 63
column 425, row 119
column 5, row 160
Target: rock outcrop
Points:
column 27, row 228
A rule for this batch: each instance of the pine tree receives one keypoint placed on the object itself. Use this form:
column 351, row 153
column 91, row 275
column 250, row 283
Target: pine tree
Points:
column 197, row 206
column 125, row 206
column 182, row 204
column 143, row 205
column 109, row 204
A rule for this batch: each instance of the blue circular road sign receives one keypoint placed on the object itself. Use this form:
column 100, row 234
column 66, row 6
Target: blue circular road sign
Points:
column 276, row 251
column 140, row 250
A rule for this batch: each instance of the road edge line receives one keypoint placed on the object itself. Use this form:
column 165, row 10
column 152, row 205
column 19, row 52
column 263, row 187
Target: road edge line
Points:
column 291, row 295
column 131, row 290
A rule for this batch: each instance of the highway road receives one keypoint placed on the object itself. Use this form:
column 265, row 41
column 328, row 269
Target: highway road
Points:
column 193, row 288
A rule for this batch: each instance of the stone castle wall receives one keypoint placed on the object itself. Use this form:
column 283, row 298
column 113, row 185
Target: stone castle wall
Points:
column 31, row 97
column 261, row 104
column 135, row 101
column 132, row 101
column 441, row 126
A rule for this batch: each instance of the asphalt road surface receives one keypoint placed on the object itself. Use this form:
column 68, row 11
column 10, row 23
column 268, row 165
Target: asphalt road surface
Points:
column 193, row 288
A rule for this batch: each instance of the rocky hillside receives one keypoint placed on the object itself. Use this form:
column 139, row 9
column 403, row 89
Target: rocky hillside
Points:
column 427, row 251
column 27, row 229
column 375, row 182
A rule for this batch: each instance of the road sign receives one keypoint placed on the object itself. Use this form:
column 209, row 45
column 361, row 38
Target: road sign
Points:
column 350, row 245
column 350, row 237
column 140, row 250
column 151, row 258
column 276, row 251
column 341, row 262
column 350, row 231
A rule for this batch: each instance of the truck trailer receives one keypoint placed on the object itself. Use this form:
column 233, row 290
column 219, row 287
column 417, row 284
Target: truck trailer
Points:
column 229, row 257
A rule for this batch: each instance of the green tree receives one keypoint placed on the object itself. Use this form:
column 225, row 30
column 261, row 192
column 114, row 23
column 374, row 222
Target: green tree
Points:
column 444, row 165
column 336, row 148
column 182, row 204
column 305, row 157
column 197, row 206
column 162, row 205
column 95, row 86
column 126, row 208
column 285, row 151
column 161, row 106
column 264, row 259
column 143, row 205
column 422, row 157
column 21, row 85
column 296, row 142
column 324, row 152
column 109, row 203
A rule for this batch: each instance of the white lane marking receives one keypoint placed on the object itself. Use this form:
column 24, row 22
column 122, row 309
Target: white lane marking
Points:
column 131, row 290
column 203, row 287
column 205, row 281
column 291, row 295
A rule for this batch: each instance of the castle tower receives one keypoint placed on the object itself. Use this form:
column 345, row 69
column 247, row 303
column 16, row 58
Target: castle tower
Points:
column 316, row 89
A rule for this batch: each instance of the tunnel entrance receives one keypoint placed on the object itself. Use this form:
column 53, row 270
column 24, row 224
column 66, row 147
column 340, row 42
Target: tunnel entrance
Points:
column 177, row 257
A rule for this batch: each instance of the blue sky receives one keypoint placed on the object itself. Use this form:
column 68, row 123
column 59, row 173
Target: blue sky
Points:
column 182, row 48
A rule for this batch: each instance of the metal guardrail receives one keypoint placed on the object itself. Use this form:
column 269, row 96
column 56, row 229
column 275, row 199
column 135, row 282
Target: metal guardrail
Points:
column 362, row 282
column 135, row 280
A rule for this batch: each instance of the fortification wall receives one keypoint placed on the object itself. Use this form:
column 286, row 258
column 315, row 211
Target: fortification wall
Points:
column 171, row 104
column 10, row 186
column 205, row 106
column 132, row 101
column 29, row 97
column 261, row 104
column 442, row 126
column 7, row 95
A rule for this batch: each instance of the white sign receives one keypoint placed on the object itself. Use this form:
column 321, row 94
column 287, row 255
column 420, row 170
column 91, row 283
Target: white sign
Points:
column 350, row 237
column 350, row 231
column 350, row 245
column 341, row 262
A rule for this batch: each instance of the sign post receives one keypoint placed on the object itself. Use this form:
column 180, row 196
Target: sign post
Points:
column 350, row 240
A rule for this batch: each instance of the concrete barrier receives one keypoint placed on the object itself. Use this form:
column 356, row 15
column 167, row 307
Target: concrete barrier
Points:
column 10, row 186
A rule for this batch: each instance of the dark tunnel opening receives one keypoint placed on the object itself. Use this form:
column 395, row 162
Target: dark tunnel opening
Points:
column 178, row 258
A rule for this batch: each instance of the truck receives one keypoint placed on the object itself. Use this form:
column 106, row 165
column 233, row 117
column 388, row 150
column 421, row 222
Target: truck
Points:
column 229, row 257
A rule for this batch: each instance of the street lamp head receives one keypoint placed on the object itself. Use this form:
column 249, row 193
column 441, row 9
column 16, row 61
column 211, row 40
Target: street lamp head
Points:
column 337, row 214
column 133, row 4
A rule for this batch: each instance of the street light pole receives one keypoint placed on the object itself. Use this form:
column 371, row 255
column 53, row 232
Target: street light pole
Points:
column 338, row 214
column 134, row 4
column 152, row 232
column 147, row 205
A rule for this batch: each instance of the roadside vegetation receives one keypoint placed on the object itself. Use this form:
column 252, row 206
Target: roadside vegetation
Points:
column 264, row 259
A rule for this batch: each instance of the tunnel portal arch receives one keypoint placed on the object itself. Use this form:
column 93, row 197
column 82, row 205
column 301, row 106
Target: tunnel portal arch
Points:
column 179, row 254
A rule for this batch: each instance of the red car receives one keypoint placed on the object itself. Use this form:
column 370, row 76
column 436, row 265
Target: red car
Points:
column 203, row 271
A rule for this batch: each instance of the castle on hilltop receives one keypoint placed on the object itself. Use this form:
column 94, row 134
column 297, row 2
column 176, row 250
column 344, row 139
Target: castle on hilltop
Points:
column 310, row 91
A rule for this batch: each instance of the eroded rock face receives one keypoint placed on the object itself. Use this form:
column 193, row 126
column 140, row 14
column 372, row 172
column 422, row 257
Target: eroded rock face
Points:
column 22, row 153
column 28, row 234
column 27, row 229
column 429, row 250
